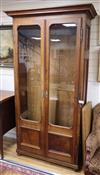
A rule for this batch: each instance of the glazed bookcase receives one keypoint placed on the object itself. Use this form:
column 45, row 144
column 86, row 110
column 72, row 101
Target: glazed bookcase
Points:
column 51, row 51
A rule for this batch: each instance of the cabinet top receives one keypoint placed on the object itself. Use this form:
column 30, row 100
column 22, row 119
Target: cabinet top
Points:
column 81, row 8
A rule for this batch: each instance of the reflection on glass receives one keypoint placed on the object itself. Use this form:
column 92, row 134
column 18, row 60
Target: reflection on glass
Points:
column 30, row 72
column 62, row 74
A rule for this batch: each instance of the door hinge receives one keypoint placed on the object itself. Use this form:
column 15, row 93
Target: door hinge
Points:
column 81, row 33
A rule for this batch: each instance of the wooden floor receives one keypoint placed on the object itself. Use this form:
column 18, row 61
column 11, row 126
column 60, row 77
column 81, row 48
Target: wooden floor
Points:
column 10, row 154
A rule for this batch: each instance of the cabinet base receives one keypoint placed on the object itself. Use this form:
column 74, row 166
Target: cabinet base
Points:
column 58, row 162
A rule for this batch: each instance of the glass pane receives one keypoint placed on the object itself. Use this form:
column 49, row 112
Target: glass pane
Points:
column 30, row 72
column 62, row 74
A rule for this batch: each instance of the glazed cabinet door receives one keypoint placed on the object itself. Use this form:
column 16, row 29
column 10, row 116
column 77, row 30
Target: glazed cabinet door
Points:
column 63, row 52
column 30, row 83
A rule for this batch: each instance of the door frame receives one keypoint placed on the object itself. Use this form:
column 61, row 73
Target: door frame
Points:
column 73, row 132
column 22, row 123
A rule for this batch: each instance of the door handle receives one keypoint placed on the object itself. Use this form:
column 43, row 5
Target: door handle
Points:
column 46, row 93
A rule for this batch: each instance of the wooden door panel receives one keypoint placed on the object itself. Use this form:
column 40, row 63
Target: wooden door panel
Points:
column 59, row 143
column 30, row 141
column 30, row 138
column 60, row 146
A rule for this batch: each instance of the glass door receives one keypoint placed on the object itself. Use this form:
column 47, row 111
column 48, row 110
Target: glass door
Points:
column 30, row 72
column 63, row 76
column 31, row 85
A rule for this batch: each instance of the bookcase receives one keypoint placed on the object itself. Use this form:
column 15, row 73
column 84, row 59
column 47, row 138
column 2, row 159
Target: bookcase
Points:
column 51, row 51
